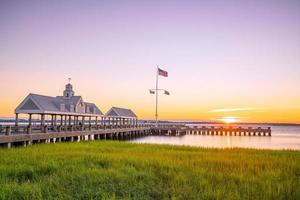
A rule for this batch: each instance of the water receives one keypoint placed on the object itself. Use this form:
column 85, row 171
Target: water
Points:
column 283, row 137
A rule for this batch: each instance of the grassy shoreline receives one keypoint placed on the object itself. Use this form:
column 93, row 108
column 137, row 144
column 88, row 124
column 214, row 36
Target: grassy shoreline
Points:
column 119, row 170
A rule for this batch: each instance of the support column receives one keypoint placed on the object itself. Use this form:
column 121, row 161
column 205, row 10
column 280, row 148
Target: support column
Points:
column 55, row 120
column 82, row 120
column 96, row 122
column 29, row 124
column 61, row 120
column 75, row 121
column 66, row 123
column 52, row 120
column 17, row 119
column 30, row 119
column 42, row 120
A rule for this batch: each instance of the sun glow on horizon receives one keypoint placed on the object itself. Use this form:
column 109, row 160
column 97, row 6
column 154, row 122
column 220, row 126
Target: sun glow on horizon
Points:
column 230, row 119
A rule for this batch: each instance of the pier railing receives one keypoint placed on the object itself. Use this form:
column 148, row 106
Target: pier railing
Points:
column 12, row 130
column 166, row 129
column 25, row 135
column 169, row 129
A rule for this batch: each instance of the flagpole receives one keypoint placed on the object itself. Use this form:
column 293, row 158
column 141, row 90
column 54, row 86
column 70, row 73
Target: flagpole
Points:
column 156, row 91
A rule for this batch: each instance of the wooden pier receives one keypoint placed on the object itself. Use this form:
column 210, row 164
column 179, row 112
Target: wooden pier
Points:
column 178, row 130
column 27, row 135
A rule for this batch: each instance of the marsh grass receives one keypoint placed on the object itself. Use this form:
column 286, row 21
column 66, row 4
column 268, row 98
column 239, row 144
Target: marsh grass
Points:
column 119, row 170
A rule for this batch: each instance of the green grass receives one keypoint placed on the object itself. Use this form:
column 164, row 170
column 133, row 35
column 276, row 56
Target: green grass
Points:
column 119, row 170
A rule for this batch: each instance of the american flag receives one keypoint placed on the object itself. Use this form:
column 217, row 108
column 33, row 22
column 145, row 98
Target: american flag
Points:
column 162, row 72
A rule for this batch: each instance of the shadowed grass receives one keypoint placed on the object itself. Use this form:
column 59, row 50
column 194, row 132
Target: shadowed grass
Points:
column 119, row 170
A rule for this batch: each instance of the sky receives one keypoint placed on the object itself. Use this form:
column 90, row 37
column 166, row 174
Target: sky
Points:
column 235, row 60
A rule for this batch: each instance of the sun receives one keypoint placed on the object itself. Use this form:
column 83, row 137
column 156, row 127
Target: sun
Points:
column 229, row 119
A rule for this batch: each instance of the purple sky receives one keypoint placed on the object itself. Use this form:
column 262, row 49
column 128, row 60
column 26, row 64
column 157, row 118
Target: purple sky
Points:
column 218, row 53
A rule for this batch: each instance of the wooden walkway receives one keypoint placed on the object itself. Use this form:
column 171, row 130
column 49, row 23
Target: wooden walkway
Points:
column 25, row 135
column 173, row 130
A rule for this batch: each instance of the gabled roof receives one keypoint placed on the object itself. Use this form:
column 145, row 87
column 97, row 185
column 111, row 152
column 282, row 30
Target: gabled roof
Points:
column 35, row 103
column 92, row 105
column 121, row 112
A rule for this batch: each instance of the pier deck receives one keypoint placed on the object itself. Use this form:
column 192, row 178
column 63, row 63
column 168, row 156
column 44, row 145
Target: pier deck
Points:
column 26, row 135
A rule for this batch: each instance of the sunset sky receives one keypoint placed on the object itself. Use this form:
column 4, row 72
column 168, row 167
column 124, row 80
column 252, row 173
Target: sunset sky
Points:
column 236, row 60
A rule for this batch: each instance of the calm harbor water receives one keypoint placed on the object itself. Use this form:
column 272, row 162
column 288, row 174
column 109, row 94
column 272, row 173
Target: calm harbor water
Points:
column 283, row 137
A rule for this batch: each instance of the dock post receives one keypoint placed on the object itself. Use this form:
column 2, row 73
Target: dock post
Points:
column 8, row 130
column 9, row 145
column 45, row 127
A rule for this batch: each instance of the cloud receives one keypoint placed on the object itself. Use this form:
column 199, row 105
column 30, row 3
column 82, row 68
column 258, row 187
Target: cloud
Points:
column 233, row 110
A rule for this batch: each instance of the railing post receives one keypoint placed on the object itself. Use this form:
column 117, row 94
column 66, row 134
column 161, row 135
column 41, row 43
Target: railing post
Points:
column 45, row 129
column 29, row 129
column 8, row 130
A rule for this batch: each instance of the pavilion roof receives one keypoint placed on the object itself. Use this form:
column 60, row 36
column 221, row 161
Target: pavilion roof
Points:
column 121, row 112
column 35, row 103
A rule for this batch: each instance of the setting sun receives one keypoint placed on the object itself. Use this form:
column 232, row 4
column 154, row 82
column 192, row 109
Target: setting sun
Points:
column 229, row 120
